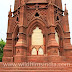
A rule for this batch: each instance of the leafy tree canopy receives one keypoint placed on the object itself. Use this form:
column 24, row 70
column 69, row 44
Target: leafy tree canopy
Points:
column 2, row 44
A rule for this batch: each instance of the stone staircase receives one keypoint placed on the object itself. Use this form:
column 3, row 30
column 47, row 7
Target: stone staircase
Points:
column 62, row 68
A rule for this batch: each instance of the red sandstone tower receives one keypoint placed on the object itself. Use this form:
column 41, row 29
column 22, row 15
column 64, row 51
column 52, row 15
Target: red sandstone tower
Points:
column 38, row 31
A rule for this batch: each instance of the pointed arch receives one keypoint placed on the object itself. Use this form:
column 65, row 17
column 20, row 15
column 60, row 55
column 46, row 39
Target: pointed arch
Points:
column 36, row 14
column 40, row 51
column 59, row 32
column 37, row 37
column 57, row 18
column 56, row 37
column 16, row 31
column 36, row 23
column 32, row 26
column 59, row 29
column 34, row 51
column 15, row 37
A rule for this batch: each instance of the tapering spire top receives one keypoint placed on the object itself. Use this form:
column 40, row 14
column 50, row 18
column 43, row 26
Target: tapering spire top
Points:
column 10, row 8
column 65, row 7
column 10, row 13
column 66, row 11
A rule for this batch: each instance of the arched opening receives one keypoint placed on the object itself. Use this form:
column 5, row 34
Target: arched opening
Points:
column 37, row 42
column 57, row 18
column 37, row 37
column 36, row 14
column 40, row 51
column 59, row 39
column 34, row 51
column 17, row 19
column 56, row 37
column 15, row 38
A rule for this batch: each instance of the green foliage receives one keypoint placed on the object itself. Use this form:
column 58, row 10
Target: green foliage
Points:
column 2, row 44
column 1, row 55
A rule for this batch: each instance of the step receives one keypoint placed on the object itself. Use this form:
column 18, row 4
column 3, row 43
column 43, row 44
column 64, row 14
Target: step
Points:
column 35, row 71
column 36, row 68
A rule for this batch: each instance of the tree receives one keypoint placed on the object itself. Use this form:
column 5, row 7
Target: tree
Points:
column 2, row 44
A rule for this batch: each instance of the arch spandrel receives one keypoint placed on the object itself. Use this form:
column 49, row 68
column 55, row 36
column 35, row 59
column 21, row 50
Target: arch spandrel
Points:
column 15, row 31
column 36, row 23
column 60, row 28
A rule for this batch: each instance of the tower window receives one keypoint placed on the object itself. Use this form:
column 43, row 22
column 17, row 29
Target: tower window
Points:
column 36, row 14
column 57, row 18
column 18, row 12
column 17, row 19
column 56, row 11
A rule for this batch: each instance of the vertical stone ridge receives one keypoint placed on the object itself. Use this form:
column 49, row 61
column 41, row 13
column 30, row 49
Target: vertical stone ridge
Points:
column 58, row 3
column 16, row 4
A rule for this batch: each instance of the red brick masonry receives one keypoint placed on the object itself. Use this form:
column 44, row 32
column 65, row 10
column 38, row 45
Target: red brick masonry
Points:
column 49, row 17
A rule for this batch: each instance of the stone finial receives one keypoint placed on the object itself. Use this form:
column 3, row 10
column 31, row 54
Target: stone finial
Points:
column 66, row 11
column 10, row 13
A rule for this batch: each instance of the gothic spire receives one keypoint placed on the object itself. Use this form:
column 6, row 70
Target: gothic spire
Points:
column 10, row 8
column 65, row 8
column 66, row 11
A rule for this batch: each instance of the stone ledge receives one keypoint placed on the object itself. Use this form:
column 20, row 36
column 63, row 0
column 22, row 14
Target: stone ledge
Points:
column 36, row 69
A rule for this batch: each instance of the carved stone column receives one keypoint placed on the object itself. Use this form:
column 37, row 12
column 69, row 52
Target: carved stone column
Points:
column 52, row 45
column 7, row 51
column 21, row 46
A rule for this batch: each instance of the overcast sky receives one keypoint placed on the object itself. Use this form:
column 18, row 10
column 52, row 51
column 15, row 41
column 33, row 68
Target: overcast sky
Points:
column 5, row 7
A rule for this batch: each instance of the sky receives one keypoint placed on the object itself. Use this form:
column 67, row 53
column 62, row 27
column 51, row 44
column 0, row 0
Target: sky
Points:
column 5, row 7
